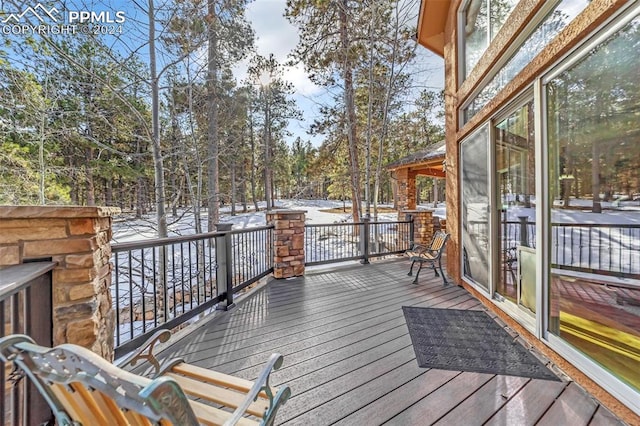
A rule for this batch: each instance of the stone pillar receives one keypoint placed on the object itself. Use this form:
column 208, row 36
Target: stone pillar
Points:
column 422, row 225
column 78, row 239
column 288, row 241
column 406, row 190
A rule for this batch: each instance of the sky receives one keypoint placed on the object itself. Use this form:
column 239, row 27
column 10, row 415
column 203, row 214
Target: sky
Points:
column 274, row 34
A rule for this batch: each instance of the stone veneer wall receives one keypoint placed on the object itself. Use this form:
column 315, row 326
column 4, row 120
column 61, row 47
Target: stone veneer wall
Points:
column 406, row 189
column 422, row 224
column 288, row 241
column 78, row 239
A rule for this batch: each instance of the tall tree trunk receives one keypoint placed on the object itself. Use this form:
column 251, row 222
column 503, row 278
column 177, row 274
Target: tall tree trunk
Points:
column 158, row 167
column 385, row 116
column 196, row 196
column 243, row 185
column 41, row 163
column 268, row 193
column 233, row 187
column 253, row 164
column 347, row 74
column 213, row 183
column 88, row 177
column 121, row 199
column 108, row 191
column 367, row 168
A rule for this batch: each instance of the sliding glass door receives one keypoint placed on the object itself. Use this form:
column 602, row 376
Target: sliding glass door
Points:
column 515, row 204
column 475, row 207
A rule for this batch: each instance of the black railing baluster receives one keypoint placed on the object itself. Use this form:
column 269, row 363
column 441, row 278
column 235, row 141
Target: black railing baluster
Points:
column 599, row 237
column 155, row 290
column 19, row 388
column 238, row 262
column 116, row 269
column 182, row 293
column 631, row 240
column 190, row 276
column 610, row 250
column 572, row 244
column 143, row 291
column 131, row 307
column 211, row 267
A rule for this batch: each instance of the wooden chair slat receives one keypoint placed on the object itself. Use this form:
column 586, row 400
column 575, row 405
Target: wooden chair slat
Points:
column 86, row 406
column 218, row 395
column 216, row 378
column 66, row 398
column 213, row 416
column 108, row 405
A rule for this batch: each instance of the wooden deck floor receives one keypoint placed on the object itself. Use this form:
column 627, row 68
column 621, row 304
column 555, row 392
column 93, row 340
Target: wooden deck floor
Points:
column 349, row 359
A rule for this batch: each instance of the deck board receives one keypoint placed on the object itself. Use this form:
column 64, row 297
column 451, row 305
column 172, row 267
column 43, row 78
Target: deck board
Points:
column 487, row 400
column 348, row 356
column 603, row 417
column 444, row 399
column 573, row 407
column 528, row 405
column 395, row 401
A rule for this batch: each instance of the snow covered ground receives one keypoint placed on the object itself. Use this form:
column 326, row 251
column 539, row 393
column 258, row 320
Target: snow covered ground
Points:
column 130, row 229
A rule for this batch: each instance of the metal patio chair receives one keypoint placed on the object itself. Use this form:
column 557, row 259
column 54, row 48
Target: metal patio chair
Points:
column 430, row 254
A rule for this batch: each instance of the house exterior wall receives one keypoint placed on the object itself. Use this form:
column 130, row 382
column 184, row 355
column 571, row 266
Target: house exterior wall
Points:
column 458, row 91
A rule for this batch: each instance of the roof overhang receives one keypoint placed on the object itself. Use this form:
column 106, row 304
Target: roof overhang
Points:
column 431, row 24
column 423, row 161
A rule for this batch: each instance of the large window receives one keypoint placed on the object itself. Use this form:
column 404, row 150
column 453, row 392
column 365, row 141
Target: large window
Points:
column 475, row 207
column 550, row 27
column 593, row 122
column 482, row 21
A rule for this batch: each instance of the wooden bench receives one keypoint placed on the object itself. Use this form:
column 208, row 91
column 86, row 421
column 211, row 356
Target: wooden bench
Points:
column 430, row 254
column 82, row 387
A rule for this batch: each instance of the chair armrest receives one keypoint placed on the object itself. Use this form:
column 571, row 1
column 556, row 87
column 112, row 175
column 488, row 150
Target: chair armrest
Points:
column 262, row 384
column 145, row 351
column 417, row 249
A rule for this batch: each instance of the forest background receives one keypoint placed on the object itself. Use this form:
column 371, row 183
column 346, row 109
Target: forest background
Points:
column 150, row 115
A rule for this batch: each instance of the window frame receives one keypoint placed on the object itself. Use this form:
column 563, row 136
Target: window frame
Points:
column 620, row 390
column 504, row 58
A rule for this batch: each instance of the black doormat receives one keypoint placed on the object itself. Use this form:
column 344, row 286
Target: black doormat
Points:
column 463, row 340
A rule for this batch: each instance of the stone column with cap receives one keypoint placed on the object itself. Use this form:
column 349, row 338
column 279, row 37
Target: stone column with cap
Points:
column 78, row 239
column 422, row 225
column 288, row 242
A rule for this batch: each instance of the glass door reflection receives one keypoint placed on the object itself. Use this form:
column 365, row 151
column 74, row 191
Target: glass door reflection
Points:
column 515, row 178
